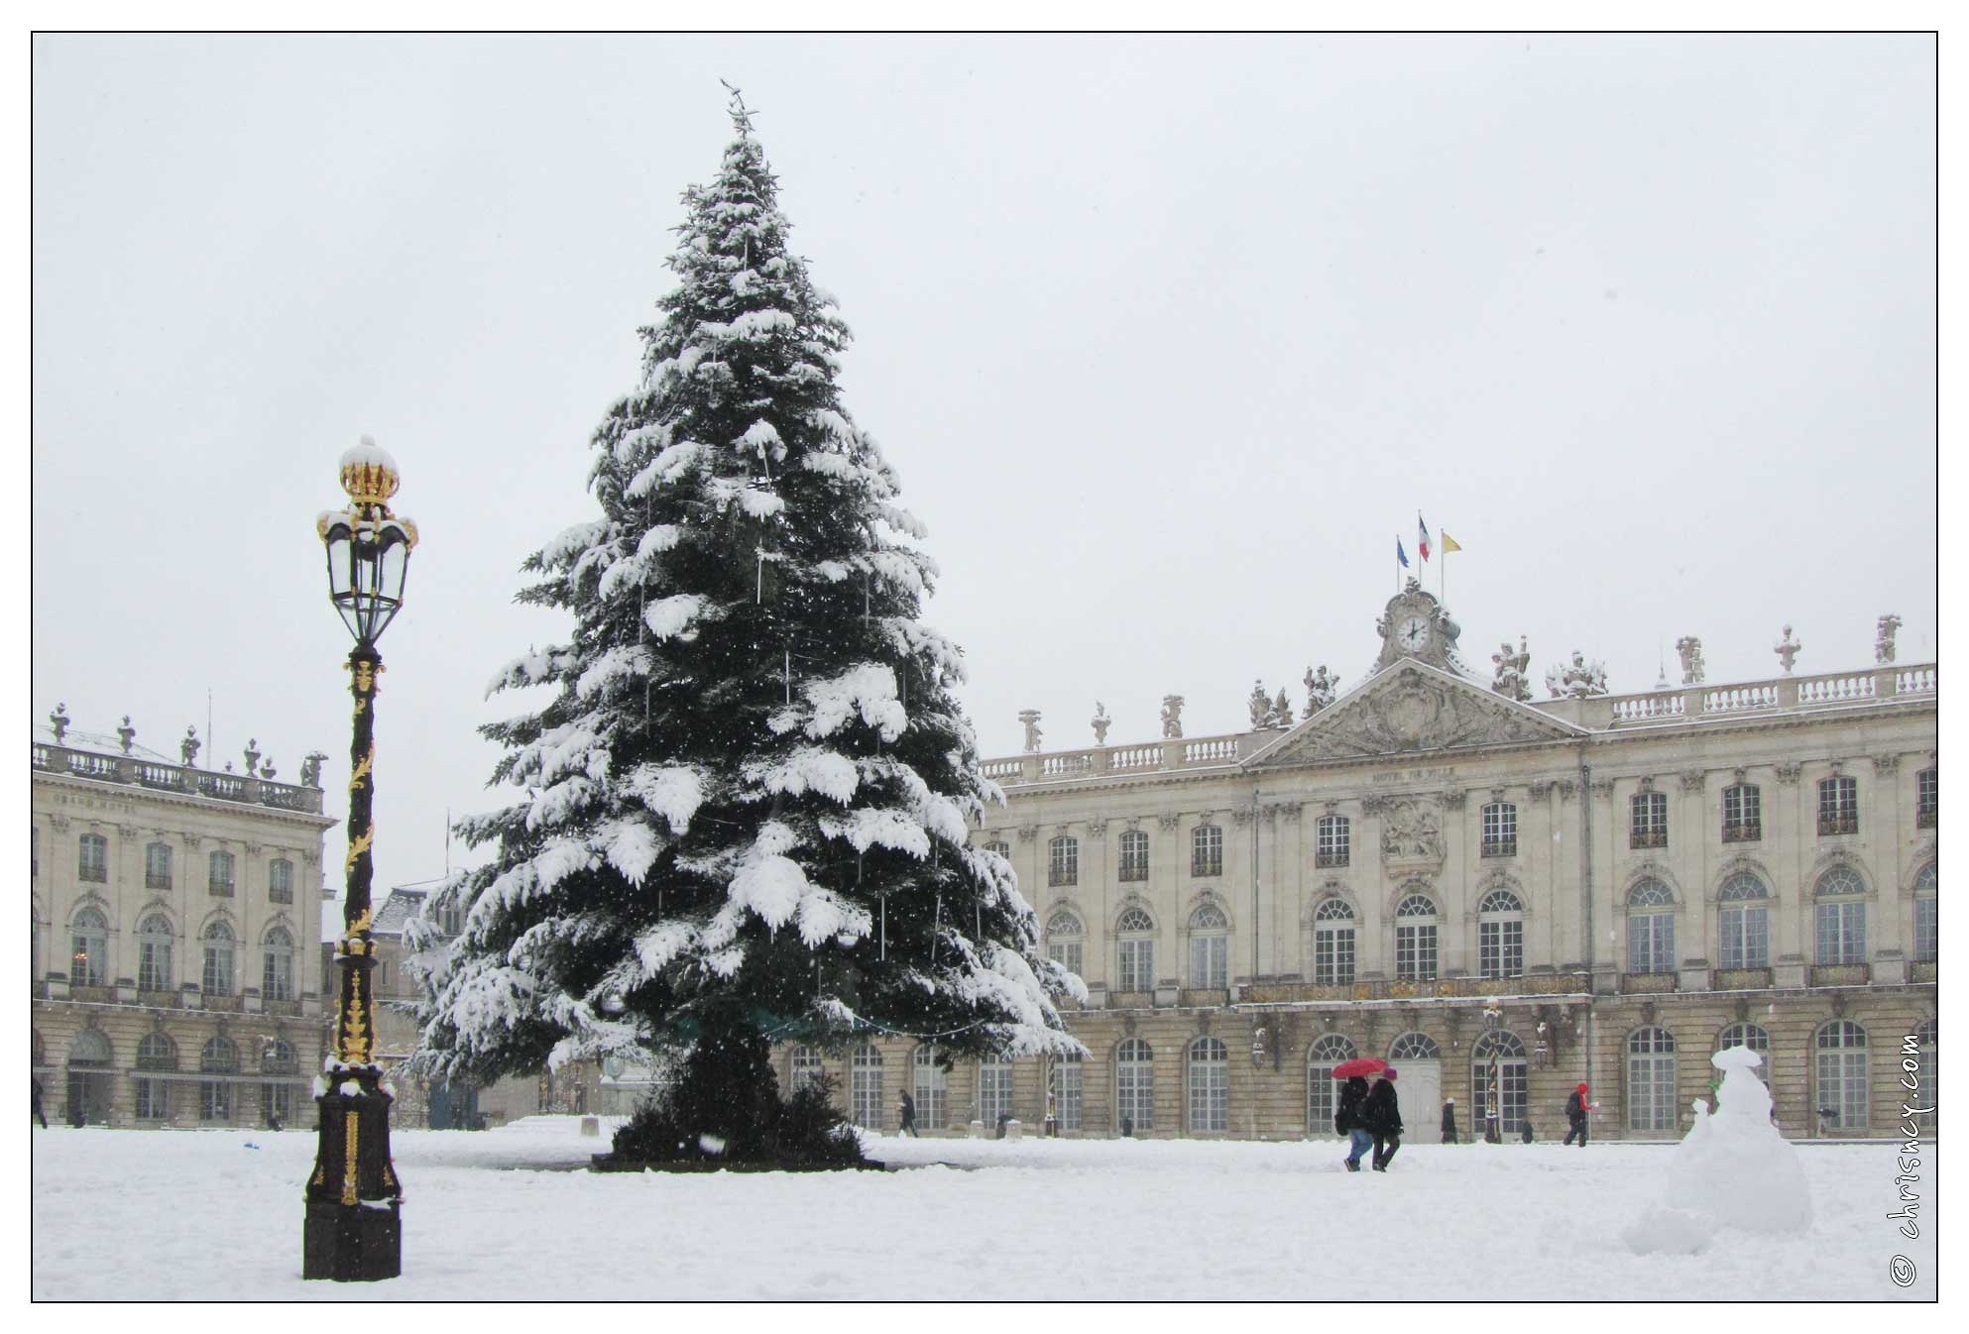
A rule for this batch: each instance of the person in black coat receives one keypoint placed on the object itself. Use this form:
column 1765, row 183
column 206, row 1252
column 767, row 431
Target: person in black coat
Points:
column 1449, row 1120
column 906, row 1111
column 37, row 1105
column 1576, row 1108
column 1347, row 1121
column 1383, row 1118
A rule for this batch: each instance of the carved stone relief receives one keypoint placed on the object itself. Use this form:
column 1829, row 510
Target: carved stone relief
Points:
column 1168, row 822
column 1788, row 773
column 1413, row 834
column 1886, row 764
column 1418, row 711
column 1693, row 780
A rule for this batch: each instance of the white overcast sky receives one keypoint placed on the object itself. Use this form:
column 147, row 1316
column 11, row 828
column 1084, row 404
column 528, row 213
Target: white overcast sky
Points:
column 1167, row 337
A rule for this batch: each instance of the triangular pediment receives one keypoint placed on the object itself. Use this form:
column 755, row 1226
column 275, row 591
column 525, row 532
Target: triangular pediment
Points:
column 1410, row 708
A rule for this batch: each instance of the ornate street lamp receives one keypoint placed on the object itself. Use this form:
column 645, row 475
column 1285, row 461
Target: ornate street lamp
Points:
column 353, row 1196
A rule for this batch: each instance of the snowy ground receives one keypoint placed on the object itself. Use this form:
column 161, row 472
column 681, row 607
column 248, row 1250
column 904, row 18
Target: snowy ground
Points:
column 508, row 1214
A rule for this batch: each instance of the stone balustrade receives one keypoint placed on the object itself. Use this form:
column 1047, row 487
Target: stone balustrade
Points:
column 133, row 772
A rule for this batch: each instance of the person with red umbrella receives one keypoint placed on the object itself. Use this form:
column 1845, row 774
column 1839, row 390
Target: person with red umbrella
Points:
column 1347, row 1116
column 1382, row 1116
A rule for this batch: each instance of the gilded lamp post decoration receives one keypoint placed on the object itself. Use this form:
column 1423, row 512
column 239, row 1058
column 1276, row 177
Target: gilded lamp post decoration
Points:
column 353, row 1196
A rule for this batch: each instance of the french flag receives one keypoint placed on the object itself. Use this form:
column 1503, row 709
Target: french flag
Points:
column 1422, row 535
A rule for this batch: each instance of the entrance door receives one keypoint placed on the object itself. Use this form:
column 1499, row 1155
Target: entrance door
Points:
column 88, row 1097
column 1419, row 1090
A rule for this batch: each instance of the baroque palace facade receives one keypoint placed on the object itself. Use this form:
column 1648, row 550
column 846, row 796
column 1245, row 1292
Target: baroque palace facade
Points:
column 175, row 961
column 1501, row 898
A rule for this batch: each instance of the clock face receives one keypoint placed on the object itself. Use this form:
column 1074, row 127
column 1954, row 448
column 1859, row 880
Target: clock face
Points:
column 1413, row 633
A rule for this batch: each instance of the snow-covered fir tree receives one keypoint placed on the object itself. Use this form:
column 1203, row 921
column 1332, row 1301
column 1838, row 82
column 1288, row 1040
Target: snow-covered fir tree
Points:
column 747, row 803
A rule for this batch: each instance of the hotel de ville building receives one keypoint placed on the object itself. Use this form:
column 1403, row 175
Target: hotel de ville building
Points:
column 1500, row 896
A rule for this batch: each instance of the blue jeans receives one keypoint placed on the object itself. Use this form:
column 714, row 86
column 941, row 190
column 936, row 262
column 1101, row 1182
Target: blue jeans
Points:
column 1360, row 1141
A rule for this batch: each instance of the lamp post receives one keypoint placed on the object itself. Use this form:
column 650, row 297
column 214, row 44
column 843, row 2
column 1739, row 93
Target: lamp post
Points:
column 353, row 1195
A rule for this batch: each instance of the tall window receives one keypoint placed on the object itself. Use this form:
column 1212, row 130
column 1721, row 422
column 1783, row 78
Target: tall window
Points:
column 1134, row 855
column 1067, row 1090
column 1500, row 935
column 1651, row 1080
column 804, row 1068
column 277, row 1095
column 1743, row 814
column 1839, row 917
column 1752, row 1036
column 1206, row 850
column 1500, row 829
column 1500, row 1078
column 219, row 877
column 994, row 1089
column 1134, row 1086
column 1064, row 940
column 1648, row 820
column 1328, row 1052
column 280, row 880
column 1333, row 845
column 1136, row 939
column 1063, row 861
column 34, row 852
column 865, row 1093
column 1842, row 1075
column 1924, row 915
column 932, row 1091
column 1210, row 948
column 216, row 980
column 1333, row 944
column 157, row 866
column 154, row 954
column 1839, row 806
column 1745, row 918
column 1002, row 849
column 1415, row 939
column 219, row 1057
column 1210, row 1085
column 92, row 862
column 154, row 1053
column 277, row 965
column 89, row 964
column 1650, row 928
column 1926, row 799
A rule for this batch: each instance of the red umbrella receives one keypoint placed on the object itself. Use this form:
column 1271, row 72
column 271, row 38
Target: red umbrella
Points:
column 1360, row 1065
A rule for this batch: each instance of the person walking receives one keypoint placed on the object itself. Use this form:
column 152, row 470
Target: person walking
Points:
column 1449, row 1120
column 1524, row 1130
column 1576, row 1109
column 37, row 1105
column 1347, row 1121
column 906, row 1111
column 1383, row 1117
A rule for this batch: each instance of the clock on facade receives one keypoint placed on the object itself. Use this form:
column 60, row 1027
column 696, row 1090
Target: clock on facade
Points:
column 1415, row 632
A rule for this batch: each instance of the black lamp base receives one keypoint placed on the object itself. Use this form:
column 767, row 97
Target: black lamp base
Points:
column 351, row 1242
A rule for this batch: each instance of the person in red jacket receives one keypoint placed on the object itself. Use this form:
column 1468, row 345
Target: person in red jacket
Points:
column 1576, row 1108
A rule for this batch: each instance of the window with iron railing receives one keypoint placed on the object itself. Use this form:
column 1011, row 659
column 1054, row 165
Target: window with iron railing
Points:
column 1207, row 850
column 1648, row 820
column 1063, row 861
column 157, row 866
column 92, row 861
column 1926, row 802
column 1839, row 806
column 1743, row 814
column 1500, row 829
column 1134, row 855
column 1334, row 843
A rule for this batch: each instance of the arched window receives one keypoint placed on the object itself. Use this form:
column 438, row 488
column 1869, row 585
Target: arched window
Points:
column 1745, row 919
column 1065, row 1090
column 1210, row 1086
column 994, row 1089
column 217, row 978
column 1210, row 948
column 932, row 1091
column 1333, row 944
column 1063, row 861
column 1064, row 940
column 277, row 1094
column 1500, row 935
column 90, row 1049
column 1415, row 939
column 89, row 964
column 1752, row 1036
column 1500, row 1078
column 1743, row 814
column 1650, row 927
column 1414, row 1047
column 1333, row 845
column 1328, row 1052
column 277, row 968
column 1134, row 855
column 1135, row 938
column 218, row 879
column 1924, row 915
column 1842, row 1095
column 154, row 954
column 1134, row 1087
column 803, row 1068
column 866, row 1092
column 1206, row 850
column 1650, row 1080
column 1928, row 1078
column 1500, row 829
column 157, row 866
column 1839, row 806
column 155, row 1052
column 218, row 1057
column 280, row 880
column 1839, row 917
column 92, row 859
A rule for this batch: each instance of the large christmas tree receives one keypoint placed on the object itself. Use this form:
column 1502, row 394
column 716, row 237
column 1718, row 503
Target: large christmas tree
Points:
column 746, row 807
